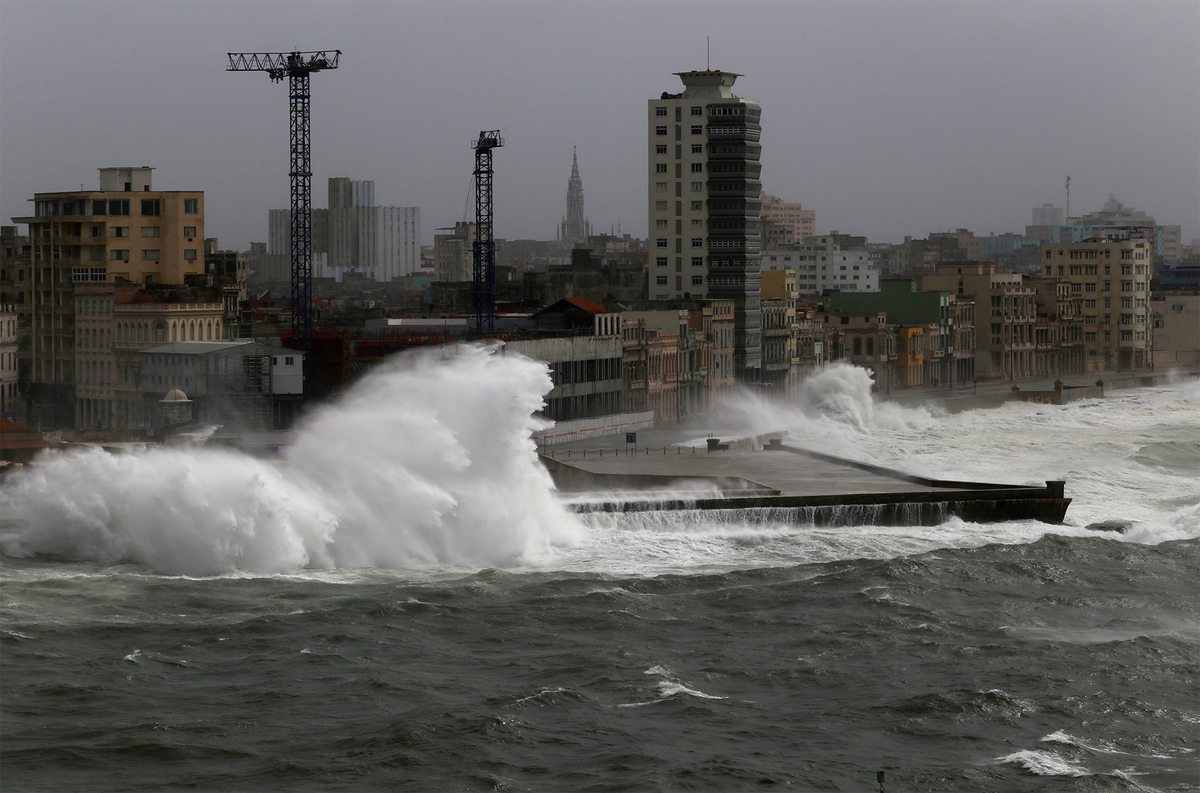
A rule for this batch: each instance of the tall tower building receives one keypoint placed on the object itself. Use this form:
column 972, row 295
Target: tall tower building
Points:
column 350, row 229
column 575, row 227
column 705, row 203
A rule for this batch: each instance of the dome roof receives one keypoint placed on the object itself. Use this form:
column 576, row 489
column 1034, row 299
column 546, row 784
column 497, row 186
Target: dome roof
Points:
column 175, row 395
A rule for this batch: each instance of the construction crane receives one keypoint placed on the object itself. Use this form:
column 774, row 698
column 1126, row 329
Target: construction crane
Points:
column 295, row 67
column 483, row 288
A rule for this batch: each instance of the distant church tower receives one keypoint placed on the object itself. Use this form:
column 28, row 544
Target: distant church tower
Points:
column 575, row 227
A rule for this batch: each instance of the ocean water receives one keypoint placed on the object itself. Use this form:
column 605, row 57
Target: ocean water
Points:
column 403, row 604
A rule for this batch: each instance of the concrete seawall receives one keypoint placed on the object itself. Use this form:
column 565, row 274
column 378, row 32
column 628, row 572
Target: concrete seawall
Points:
column 764, row 480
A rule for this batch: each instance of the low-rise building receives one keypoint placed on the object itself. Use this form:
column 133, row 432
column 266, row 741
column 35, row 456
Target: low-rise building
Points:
column 864, row 339
column 234, row 384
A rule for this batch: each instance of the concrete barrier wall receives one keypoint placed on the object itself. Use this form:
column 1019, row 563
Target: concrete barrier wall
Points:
column 581, row 429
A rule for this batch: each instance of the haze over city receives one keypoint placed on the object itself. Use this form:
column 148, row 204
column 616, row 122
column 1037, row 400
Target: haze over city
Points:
column 887, row 119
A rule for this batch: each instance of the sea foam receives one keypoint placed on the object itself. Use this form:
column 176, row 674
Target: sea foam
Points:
column 428, row 460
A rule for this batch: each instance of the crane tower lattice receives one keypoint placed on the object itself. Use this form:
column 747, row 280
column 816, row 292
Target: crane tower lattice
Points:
column 483, row 287
column 295, row 67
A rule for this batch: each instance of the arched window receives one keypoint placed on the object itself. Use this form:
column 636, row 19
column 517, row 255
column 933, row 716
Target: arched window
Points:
column 858, row 345
column 160, row 331
column 191, row 331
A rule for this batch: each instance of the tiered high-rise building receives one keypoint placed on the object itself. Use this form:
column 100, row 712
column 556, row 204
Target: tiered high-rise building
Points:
column 574, row 228
column 705, row 203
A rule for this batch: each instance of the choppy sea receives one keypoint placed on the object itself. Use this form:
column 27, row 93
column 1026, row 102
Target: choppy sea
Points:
column 403, row 604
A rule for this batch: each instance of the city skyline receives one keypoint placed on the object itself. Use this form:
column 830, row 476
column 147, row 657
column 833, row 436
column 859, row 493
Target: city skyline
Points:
column 922, row 117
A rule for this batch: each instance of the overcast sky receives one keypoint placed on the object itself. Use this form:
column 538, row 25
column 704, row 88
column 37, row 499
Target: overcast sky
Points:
column 887, row 118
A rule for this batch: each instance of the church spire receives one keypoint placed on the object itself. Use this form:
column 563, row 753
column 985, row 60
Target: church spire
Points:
column 575, row 228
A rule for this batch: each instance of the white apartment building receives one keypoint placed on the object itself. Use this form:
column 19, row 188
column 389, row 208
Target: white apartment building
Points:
column 834, row 262
column 704, row 203
column 397, row 244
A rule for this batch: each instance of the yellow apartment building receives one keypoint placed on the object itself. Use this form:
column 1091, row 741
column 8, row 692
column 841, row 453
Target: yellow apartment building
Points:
column 125, row 232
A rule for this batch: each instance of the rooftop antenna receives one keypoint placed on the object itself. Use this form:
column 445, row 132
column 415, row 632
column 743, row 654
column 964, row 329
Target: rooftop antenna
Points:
column 708, row 53
column 1068, row 210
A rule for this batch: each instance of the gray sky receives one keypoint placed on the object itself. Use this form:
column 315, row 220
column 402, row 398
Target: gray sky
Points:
column 887, row 118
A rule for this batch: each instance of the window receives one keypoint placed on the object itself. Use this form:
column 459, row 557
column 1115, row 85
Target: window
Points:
column 661, row 223
column 149, row 231
column 661, row 242
column 660, row 206
column 661, row 112
column 118, row 256
column 660, row 187
column 697, row 206
column 100, row 207
column 697, row 129
column 660, row 261
column 289, row 360
column 660, row 129
column 661, row 148
column 89, row 275
column 697, row 187
column 150, row 255
column 118, row 206
column 189, row 231
column 660, row 167
column 190, row 254
column 697, row 261
column 697, row 167
column 697, row 242
column 661, row 280
column 697, row 148
column 697, row 111
column 151, row 207
column 697, row 280
column 118, row 231
column 191, row 206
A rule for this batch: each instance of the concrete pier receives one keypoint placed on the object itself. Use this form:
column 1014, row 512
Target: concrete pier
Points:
column 778, row 481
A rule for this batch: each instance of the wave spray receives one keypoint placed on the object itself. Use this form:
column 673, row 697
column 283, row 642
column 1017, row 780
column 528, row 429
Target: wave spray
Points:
column 428, row 460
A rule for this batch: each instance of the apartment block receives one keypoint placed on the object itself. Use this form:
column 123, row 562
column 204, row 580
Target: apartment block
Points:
column 125, row 232
column 785, row 223
column 829, row 263
column 1006, row 315
column 1112, row 277
column 453, row 252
